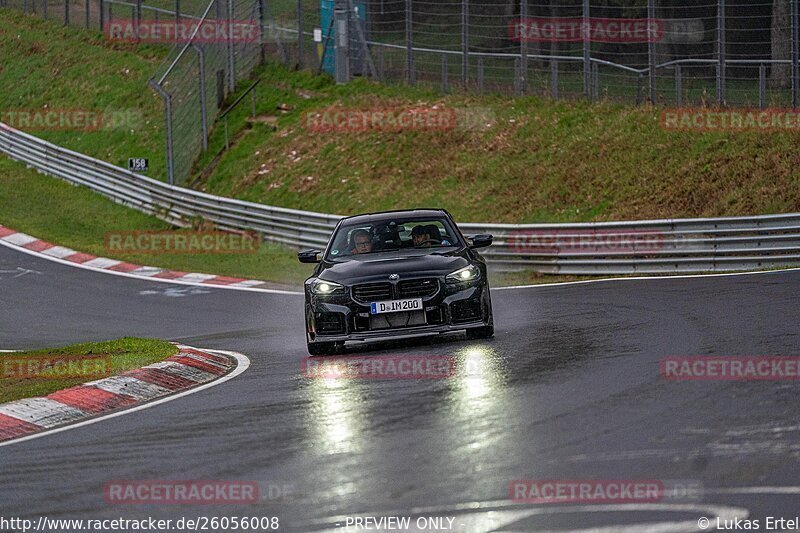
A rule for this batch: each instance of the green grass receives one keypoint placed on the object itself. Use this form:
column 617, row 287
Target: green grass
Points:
column 538, row 161
column 78, row 218
column 65, row 68
column 125, row 354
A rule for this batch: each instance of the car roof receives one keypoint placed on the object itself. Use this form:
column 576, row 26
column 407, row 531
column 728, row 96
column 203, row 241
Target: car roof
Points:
column 368, row 218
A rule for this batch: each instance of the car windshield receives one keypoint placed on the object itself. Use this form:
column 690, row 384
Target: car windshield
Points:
column 421, row 235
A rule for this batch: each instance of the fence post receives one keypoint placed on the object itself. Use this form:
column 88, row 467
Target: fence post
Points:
column 231, row 73
column 795, row 53
column 410, row 74
column 341, row 46
column 762, row 86
column 66, row 12
column 554, row 79
column 87, row 14
column 300, row 34
column 595, row 81
column 464, row 42
column 651, row 50
column 480, row 74
column 261, row 43
column 201, row 56
column 102, row 14
column 678, row 85
column 445, row 83
column 168, row 117
column 721, row 59
column 138, row 12
column 523, row 49
column 587, row 59
column 517, row 76
column 379, row 61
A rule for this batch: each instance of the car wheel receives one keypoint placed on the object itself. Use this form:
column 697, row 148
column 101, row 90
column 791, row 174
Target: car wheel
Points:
column 324, row 348
column 483, row 332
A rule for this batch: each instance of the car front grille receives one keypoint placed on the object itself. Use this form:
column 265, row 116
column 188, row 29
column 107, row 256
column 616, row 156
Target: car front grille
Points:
column 372, row 292
column 418, row 288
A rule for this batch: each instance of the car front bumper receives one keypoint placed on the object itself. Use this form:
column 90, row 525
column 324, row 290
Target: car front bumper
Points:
column 445, row 306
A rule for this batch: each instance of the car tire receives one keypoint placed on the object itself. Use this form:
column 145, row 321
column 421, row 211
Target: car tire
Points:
column 324, row 348
column 483, row 332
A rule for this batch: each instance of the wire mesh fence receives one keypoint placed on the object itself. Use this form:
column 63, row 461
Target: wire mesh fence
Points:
column 741, row 53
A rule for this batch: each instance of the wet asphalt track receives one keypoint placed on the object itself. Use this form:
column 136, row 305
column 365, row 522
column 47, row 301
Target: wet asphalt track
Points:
column 569, row 389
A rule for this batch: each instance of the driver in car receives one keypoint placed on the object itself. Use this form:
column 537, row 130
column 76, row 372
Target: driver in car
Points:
column 362, row 242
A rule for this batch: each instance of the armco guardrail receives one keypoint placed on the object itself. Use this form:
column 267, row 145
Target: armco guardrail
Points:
column 653, row 246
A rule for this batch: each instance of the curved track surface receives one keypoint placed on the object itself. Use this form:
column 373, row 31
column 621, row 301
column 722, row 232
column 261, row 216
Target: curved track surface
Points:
column 569, row 389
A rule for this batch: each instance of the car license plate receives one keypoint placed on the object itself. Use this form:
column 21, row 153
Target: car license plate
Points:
column 396, row 306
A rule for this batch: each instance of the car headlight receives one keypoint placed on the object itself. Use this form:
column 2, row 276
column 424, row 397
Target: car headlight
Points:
column 468, row 273
column 324, row 288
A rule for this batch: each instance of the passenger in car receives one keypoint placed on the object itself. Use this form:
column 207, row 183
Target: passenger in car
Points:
column 361, row 242
column 425, row 236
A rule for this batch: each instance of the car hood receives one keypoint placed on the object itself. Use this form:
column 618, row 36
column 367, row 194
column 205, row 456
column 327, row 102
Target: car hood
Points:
column 372, row 268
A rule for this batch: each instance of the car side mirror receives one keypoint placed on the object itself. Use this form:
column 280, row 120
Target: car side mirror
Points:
column 482, row 240
column 309, row 256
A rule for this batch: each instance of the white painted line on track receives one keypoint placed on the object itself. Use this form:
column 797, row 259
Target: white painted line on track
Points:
column 242, row 364
column 646, row 278
column 49, row 257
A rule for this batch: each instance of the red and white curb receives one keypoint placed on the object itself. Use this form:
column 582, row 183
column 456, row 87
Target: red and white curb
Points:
column 31, row 245
column 188, row 371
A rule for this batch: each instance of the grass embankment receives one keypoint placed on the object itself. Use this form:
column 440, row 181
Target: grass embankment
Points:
column 124, row 354
column 47, row 66
column 537, row 161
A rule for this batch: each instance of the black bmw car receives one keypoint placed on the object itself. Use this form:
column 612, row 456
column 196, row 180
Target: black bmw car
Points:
column 396, row 274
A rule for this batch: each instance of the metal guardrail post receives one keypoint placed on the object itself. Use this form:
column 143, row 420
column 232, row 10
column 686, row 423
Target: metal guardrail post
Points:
column 762, row 86
column 678, row 86
column 795, row 52
column 411, row 77
column 587, row 50
column 651, row 50
column 554, row 79
column 168, row 118
column 464, row 43
column 201, row 57
column 721, row 52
